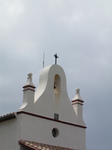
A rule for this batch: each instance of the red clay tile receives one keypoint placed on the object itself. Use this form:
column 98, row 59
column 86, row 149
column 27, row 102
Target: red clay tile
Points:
column 40, row 146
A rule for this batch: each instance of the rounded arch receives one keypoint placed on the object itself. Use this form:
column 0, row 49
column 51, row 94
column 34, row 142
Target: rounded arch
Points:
column 57, row 84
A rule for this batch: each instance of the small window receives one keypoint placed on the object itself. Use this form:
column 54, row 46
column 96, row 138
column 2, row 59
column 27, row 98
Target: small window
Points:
column 55, row 132
column 56, row 116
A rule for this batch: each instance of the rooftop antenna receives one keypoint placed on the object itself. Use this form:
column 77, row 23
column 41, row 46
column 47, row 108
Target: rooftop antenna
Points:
column 43, row 59
column 56, row 57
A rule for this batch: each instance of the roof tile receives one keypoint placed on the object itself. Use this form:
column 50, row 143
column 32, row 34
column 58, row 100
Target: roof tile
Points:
column 7, row 117
column 40, row 146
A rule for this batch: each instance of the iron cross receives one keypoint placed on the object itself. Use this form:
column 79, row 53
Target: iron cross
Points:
column 56, row 57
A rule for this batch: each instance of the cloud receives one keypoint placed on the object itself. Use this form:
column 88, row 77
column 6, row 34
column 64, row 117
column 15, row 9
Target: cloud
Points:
column 81, row 33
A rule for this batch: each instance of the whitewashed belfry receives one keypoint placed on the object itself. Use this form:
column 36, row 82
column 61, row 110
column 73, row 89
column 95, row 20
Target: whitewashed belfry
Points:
column 47, row 118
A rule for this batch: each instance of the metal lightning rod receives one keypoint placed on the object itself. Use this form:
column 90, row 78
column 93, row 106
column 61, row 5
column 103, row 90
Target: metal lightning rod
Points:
column 43, row 59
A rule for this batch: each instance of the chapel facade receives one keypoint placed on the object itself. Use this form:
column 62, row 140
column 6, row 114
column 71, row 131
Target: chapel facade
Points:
column 47, row 118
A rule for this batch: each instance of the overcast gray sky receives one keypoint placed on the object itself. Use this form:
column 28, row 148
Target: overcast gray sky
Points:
column 80, row 31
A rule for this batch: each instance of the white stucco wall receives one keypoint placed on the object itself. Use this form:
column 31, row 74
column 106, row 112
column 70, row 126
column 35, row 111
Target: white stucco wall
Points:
column 28, row 127
column 9, row 135
column 39, row 129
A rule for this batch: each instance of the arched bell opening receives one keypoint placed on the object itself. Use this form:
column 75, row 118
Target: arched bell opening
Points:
column 57, row 84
